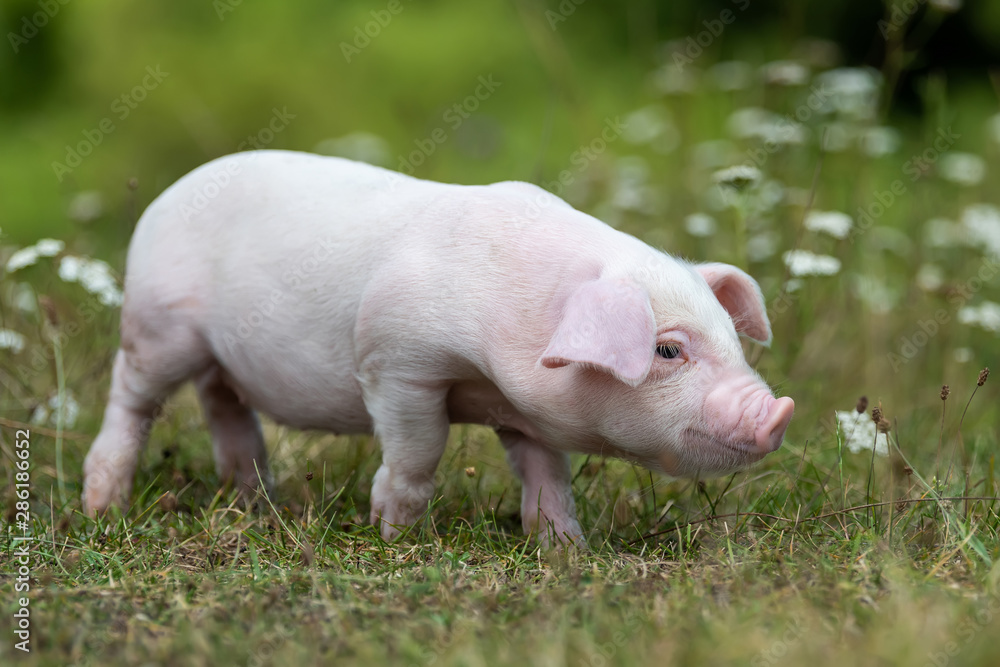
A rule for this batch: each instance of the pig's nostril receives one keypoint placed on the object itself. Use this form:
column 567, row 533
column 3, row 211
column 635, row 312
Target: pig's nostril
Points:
column 772, row 430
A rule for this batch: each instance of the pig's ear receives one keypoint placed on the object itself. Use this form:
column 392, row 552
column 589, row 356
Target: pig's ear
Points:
column 740, row 295
column 609, row 325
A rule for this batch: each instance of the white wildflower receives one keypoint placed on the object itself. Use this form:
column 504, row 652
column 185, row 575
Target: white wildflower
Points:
column 730, row 75
column 22, row 258
column 930, row 277
column 793, row 285
column 853, row 91
column 11, row 340
column 739, row 177
column 111, row 297
column 49, row 247
column 963, row 168
column 805, row 263
column 879, row 141
column 700, row 224
column 767, row 126
column 69, row 268
column 29, row 255
column 86, row 206
column 24, row 298
column 95, row 276
column 67, row 408
column 834, row 223
column 981, row 223
column 985, row 315
column 40, row 414
column 785, row 73
column 859, row 433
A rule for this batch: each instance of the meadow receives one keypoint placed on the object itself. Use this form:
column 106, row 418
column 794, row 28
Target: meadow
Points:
column 869, row 538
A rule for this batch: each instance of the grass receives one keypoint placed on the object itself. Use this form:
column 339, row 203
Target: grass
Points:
column 817, row 556
column 768, row 567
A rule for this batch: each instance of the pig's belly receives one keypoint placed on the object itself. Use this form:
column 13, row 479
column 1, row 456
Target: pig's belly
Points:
column 296, row 380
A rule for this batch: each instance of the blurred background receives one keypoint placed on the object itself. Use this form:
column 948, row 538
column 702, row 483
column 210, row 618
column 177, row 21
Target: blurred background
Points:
column 353, row 85
column 880, row 117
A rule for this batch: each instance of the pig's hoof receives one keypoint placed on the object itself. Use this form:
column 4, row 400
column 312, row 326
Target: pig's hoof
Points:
column 392, row 520
column 107, row 478
column 390, row 532
column 566, row 541
column 555, row 534
column 100, row 493
column 396, row 503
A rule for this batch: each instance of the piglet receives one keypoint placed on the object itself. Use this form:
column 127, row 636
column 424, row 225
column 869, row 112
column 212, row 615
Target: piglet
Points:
column 334, row 295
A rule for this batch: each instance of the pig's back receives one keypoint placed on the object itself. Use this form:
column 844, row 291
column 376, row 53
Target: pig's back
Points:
column 271, row 255
column 267, row 254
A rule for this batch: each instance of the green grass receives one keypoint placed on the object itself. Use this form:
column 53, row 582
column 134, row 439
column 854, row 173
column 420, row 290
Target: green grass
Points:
column 784, row 574
column 816, row 556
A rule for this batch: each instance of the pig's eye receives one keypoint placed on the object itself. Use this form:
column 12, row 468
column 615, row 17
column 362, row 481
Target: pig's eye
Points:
column 668, row 351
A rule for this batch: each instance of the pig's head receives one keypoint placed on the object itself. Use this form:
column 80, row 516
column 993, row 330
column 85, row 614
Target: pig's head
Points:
column 654, row 369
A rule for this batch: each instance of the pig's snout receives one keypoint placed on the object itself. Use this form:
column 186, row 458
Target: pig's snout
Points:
column 771, row 429
column 742, row 414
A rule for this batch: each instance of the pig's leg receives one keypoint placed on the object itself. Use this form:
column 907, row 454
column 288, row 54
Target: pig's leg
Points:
column 411, row 423
column 146, row 370
column 236, row 436
column 547, row 509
